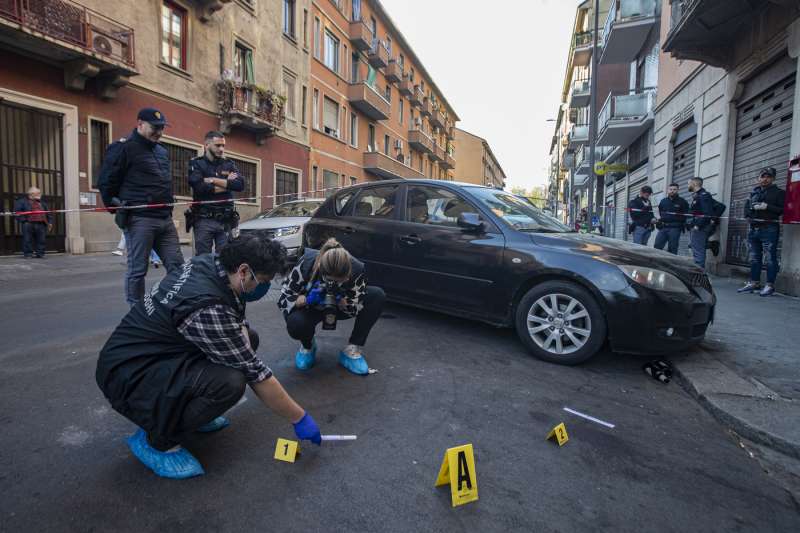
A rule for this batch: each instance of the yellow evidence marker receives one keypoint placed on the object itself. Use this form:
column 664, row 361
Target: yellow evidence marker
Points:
column 287, row 450
column 458, row 469
column 560, row 433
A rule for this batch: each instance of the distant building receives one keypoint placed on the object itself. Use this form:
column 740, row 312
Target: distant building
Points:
column 476, row 162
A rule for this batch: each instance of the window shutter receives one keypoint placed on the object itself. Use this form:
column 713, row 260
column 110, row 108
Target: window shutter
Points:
column 330, row 115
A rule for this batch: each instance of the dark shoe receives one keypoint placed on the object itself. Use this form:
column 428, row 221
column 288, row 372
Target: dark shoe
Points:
column 37, row 256
column 750, row 286
column 27, row 256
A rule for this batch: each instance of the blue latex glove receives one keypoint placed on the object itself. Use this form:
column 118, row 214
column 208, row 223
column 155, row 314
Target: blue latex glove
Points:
column 314, row 296
column 307, row 429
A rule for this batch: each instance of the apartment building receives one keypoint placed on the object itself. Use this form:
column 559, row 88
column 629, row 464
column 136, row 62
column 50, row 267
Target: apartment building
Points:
column 74, row 74
column 476, row 162
column 376, row 112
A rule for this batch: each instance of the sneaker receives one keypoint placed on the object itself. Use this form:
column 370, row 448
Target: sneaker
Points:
column 117, row 253
column 176, row 463
column 768, row 290
column 352, row 359
column 215, row 425
column 305, row 359
column 156, row 264
column 750, row 286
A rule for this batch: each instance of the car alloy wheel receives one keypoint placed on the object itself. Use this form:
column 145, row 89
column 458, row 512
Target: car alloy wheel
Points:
column 559, row 324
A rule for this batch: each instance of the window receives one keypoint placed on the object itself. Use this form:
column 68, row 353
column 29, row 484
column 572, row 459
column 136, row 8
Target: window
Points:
column 353, row 180
column 314, row 180
column 305, row 28
column 402, row 62
column 354, row 69
column 304, row 117
column 289, row 92
column 179, row 157
column 378, row 202
column 288, row 18
column 341, row 201
column 356, row 13
column 345, row 57
column 371, row 139
column 373, row 25
column 316, row 37
column 353, row 130
column 330, row 182
column 331, row 51
column 343, row 127
column 330, row 117
column 388, row 93
column 315, row 109
column 402, row 109
column 100, row 139
column 173, row 35
column 411, row 75
column 286, row 185
column 243, row 63
column 426, row 205
column 248, row 170
column 386, row 142
column 389, row 45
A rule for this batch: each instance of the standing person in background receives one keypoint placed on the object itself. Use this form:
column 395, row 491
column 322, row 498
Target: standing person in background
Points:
column 764, row 209
column 641, row 211
column 700, row 223
column 671, row 222
column 35, row 225
column 135, row 172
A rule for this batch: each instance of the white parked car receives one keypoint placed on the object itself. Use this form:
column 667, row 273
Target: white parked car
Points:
column 284, row 223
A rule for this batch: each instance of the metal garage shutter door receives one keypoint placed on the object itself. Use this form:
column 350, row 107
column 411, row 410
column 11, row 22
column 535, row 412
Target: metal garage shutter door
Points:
column 621, row 204
column 683, row 160
column 763, row 136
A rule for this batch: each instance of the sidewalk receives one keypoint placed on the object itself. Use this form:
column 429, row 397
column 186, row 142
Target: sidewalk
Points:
column 747, row 371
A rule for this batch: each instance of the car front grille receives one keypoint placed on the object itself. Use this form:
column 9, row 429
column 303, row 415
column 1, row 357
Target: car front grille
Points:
column 701, row 280
column 268, row 233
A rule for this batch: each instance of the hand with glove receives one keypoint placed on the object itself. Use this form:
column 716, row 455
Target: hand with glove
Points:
column 761, row 206
column 307, row 429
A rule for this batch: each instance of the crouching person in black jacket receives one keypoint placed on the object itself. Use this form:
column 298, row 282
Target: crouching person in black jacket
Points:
column 327, row 286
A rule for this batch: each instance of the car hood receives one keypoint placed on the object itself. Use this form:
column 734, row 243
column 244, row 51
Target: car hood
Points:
column 273, row 222
column 619, row 252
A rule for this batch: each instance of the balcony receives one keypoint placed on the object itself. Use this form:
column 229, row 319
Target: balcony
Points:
column 85, row 43
column 578, row 136
column 438, row 119
column 369, row 101
column 437, row 154
column 384, row 167
column 406, row 86
column 449, row 162
column 709, row 31
column 425, row 108
column 624, row 118
column 360, row 35
column 582, row 46
column 417, row 96
column 394, row 72
column 420, row 141
column 250, row 108
column 582, row 157
column 628, row 24
column 567, row 160
column 209, row 7
column 378, row 55
column 580, row 94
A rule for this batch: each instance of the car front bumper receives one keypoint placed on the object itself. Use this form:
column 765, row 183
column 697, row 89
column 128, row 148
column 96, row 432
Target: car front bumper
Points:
column 645, row 321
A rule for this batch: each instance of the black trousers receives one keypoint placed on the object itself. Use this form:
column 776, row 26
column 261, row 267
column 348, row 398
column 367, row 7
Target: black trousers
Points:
column 172, row 397
column 302, row 323
column 34, row 235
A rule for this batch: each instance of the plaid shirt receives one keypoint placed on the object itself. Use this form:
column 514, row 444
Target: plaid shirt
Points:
column 218, row 332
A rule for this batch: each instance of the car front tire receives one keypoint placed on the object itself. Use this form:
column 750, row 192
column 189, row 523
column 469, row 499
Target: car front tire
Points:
column 561, row 322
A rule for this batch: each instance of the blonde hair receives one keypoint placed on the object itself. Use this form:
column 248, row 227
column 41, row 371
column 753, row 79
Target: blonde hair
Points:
column 333, row 261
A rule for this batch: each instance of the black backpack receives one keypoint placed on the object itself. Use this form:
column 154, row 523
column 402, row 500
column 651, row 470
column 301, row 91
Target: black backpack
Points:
column 718, row 209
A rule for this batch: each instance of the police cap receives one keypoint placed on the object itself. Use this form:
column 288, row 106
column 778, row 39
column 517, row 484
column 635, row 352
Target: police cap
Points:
column 153, row 116
column 769, row 171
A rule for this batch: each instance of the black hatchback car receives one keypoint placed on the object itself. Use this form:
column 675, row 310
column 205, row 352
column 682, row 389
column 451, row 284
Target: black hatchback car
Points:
column 484, row 254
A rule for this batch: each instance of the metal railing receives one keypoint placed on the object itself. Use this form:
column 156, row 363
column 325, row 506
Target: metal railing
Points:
column 600, row 153
column 579, row 132
column 581, row 86
column 75, row 24
column 679, row 9
column 248, row 100
column 625, row 10
column 626, row 106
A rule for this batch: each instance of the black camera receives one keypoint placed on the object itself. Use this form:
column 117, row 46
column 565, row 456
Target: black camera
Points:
column 329, row 307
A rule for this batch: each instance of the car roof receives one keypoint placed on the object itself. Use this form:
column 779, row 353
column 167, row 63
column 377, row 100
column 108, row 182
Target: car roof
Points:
column 438, row 183
column 320, row 200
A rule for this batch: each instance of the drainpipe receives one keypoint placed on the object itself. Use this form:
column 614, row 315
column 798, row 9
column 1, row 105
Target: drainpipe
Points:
column 593, row 114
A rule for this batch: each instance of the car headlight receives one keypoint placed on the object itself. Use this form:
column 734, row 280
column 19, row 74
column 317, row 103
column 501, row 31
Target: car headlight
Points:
column 288, row 230
column 654, row 279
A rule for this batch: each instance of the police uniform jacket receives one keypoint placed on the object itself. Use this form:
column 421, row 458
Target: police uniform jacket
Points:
column 702, row 204
column 201, row 168
column 137, row 171
column 672, row 211
column 641, row 211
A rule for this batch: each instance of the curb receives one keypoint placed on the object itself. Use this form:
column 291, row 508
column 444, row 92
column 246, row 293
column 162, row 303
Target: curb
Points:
column 691, row 371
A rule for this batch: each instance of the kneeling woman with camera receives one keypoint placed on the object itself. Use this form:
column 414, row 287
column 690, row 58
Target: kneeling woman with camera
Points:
column 326, row 286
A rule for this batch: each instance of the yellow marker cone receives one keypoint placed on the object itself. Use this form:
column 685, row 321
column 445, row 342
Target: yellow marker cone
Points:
column 458, row 469
column 560, row 434
column 287, row 450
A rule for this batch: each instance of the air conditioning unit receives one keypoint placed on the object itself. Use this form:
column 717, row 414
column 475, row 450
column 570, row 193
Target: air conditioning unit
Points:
column 108, row 46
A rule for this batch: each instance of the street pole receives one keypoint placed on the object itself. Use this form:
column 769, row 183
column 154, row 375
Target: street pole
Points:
column 593, row 113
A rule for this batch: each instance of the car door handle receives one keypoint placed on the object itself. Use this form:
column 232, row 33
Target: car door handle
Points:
column 348, row 229
column 411, row 239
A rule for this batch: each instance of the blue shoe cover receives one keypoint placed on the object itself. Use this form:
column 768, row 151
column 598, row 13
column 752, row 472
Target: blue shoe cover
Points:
column 304, row 360
column 215, row 425
column 179, row 464
column 355, row 365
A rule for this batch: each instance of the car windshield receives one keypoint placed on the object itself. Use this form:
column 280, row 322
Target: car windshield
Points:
column 293, row 209
column 517, row 213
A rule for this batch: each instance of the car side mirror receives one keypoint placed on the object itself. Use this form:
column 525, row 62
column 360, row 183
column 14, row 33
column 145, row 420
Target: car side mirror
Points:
column 470, row 222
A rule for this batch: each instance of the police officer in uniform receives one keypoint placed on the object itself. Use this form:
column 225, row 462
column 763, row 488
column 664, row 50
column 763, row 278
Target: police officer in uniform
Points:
column 136, row 171
column 701, row 223
column 641, row 212
column 213, row 178
column 672, row 218
column 182, row 356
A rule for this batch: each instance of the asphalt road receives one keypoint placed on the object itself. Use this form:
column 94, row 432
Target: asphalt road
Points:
column 441, row 382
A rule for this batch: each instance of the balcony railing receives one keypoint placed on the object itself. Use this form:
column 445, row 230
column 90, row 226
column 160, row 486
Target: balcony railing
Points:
column 394, row 72
column 438, row 119
column 578, row 135
column 361, row 35
column 437, row 154
column 626, row 28
column 250, row 107
column 417, row 96
column 369, row 101
column 406, row 86
column 425, row 107
column 378, row 55
column 74, row 24
column 449, row 161
column 624, row 117
column 383, row 166
column 420, row 141
column 582, row 48
column 580, row 93
column 582, row 156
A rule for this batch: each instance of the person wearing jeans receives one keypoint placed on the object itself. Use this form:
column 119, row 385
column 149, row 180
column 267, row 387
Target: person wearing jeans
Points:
column 641, row 213
column 764, row 209
column 701, row 222
column 672, row 218
column 304, row 291
column 34, row 225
